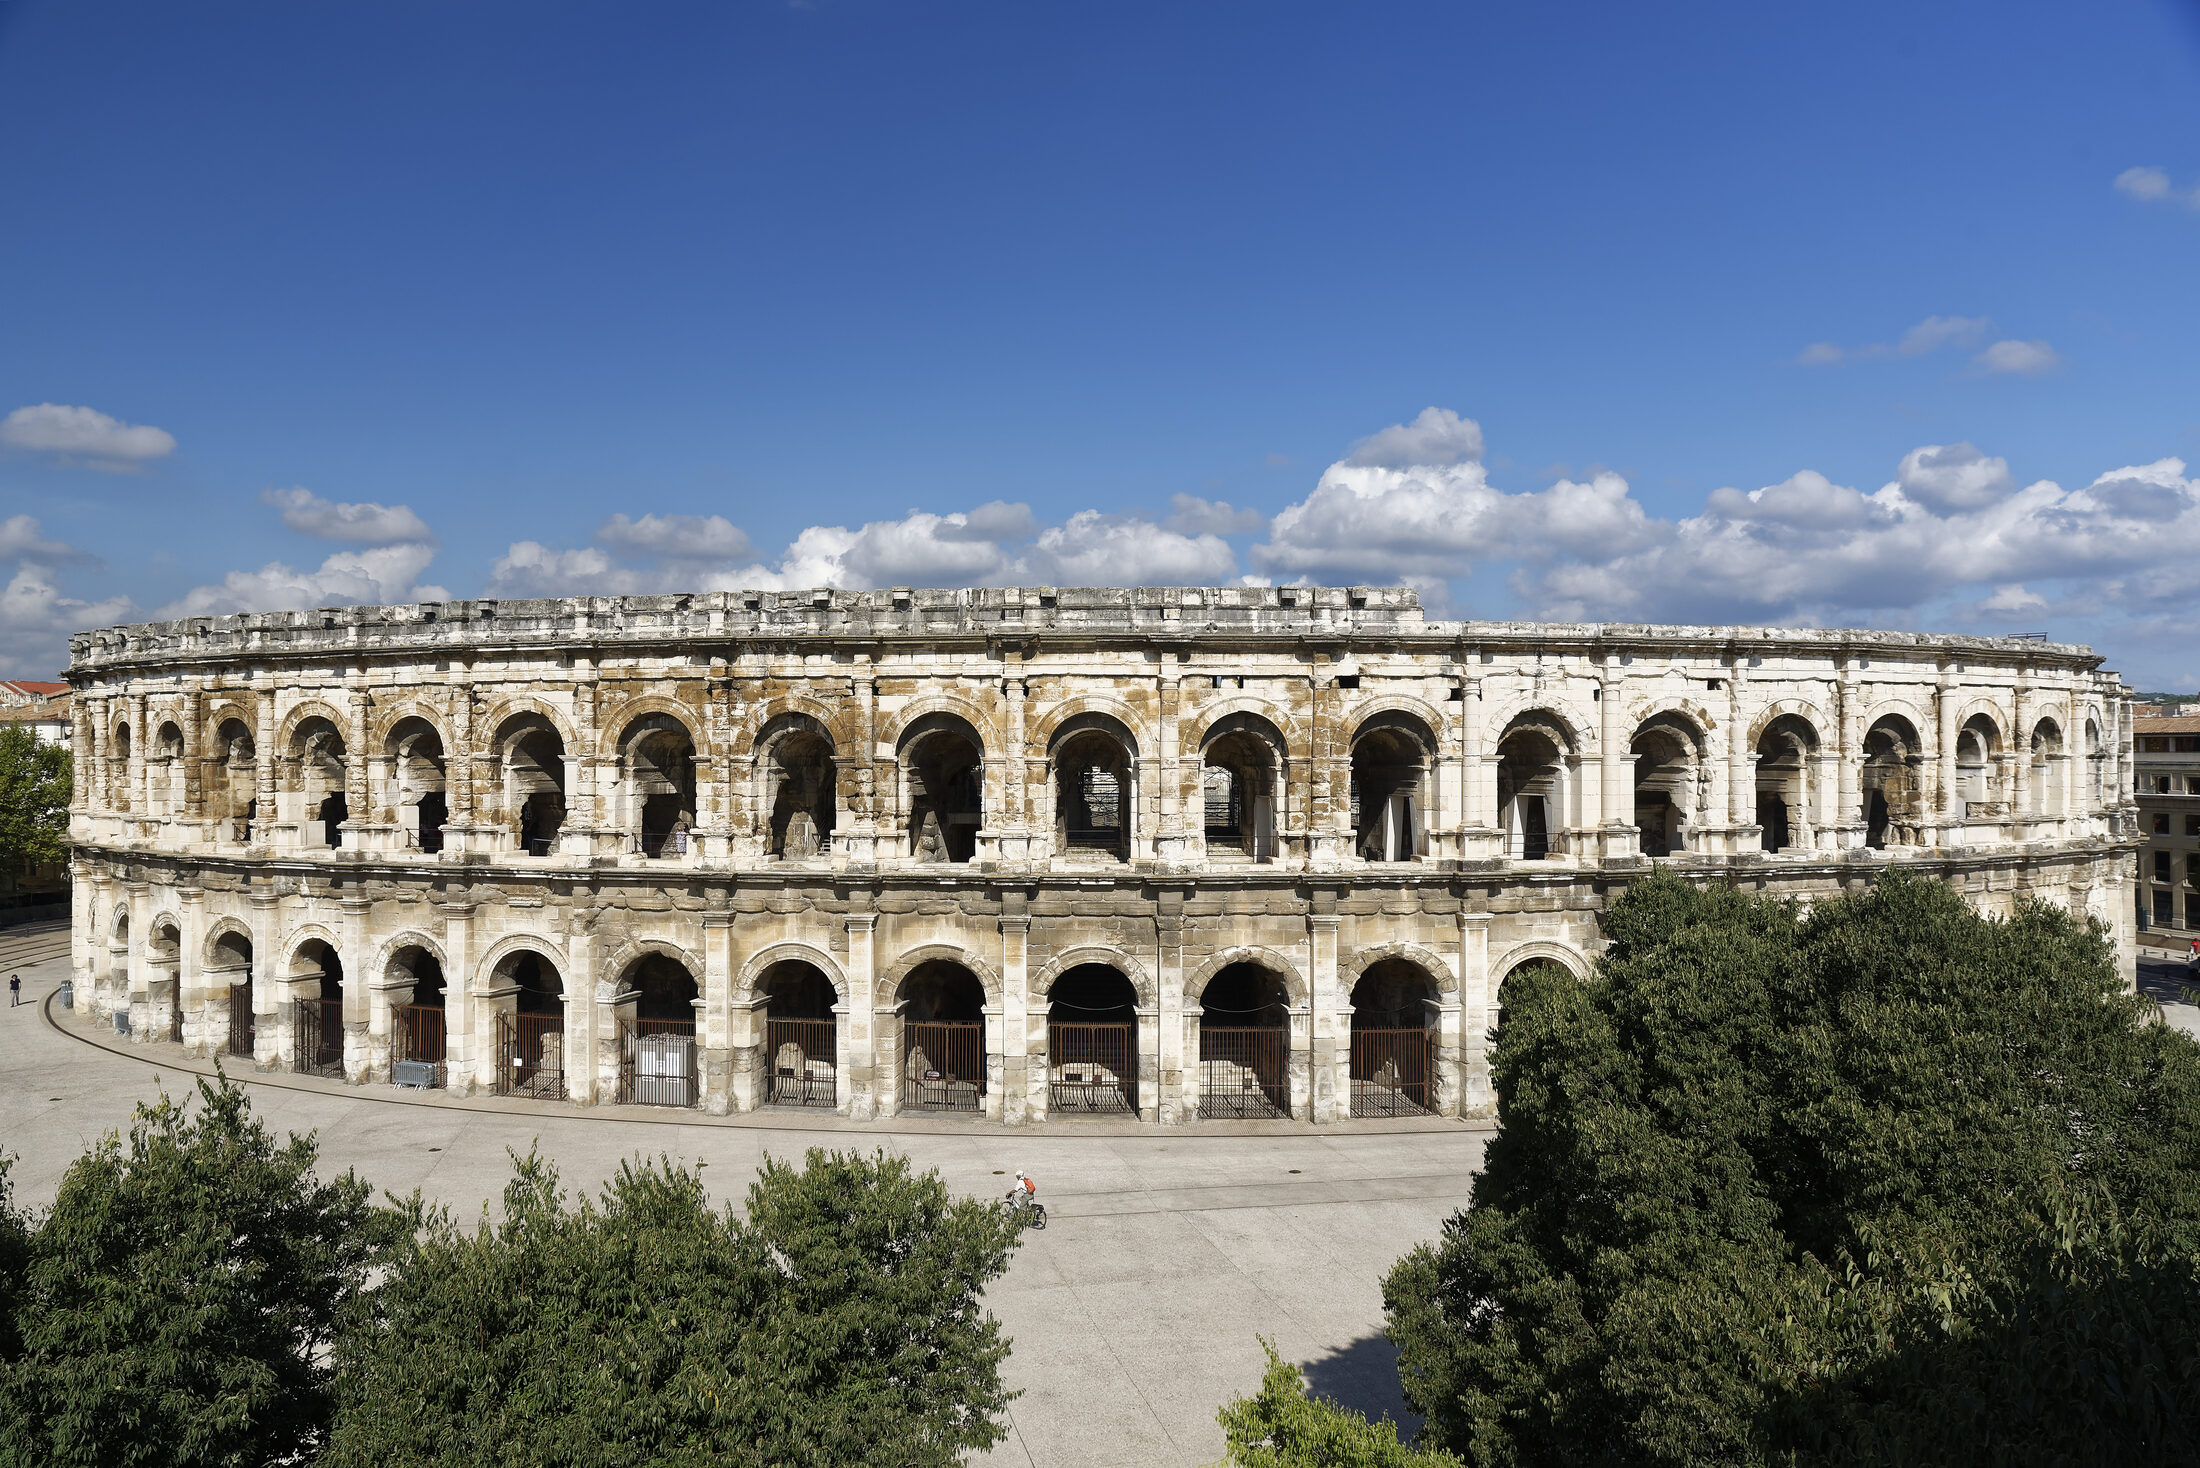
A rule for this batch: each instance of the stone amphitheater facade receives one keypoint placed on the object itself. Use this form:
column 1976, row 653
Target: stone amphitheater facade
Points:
column 1024, row 852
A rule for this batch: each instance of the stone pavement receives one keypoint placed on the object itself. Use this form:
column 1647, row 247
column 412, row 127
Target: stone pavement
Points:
column 1133, row 1316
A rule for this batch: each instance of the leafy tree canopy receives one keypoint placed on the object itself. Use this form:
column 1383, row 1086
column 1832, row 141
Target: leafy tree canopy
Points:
column 1284, row 1426
column 34, row 800
column 178, row 1303
column 838, row 1322
column 1785, row 1186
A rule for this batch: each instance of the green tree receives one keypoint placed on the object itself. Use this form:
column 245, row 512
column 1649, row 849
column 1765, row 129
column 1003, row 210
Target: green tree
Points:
column 34, row 800
column 838, row 1322
column 178, row 1303
column 1285, row 1426
column 1763, row 1155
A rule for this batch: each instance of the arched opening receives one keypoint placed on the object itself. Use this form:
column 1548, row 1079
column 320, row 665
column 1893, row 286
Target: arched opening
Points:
column 1667, row 750
column 531, row 752
column 1785, row 752
column 801, row 1035
column 1092, row 1042
column 418, row 1029
column 657, row 780
column 1240, row 777
column 1978, row 743
column 1244, row 1044
column 317, row 1010
column 2047, row 756
column 118, row 769
column 943, row 1062
column 1531, row 787
column 531, row 1032
column 417, row 782
column 943, row 770
column 657, row 1037
column 165, row 778
column 1095, row 792
column 317, row 759
column 1394, row 1017
column 118, row 966
column 1893, row 795
column 163, row 958
column 1391, row 758
column 229, row 967
column 801, row 789
column 232, row 783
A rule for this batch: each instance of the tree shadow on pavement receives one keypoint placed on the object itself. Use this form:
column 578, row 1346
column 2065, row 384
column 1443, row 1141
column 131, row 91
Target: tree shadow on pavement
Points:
column 1364, row 1377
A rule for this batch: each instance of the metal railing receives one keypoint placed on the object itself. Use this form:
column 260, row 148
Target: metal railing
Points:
column 1092, row 1068
column 943, row 1066
column 1390, row 1072
column 175, row 1021
column 242, row 1030
column 418, row 1037
column 802, row 1057
column 317, row 1037
column 1244, row 1072
column 531, row 1055
column 657, row 1062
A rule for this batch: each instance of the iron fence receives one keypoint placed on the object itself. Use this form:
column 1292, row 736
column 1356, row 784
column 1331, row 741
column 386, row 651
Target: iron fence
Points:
column 175, row 1020
column 1092, row 1068
column 1390, row 1072
column 242, row 1030
column 657, row 1062
column 317, row 1037
column 943, row 1066
column 417, row 1034
column 1244, row 1071
column 804, row 1056
column 531, row 1055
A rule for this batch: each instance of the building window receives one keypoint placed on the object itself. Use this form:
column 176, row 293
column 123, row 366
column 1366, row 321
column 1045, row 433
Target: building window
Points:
column 2192, row 825
column 2165, row 909
column 2161, row 866
column 2161, row 823
column 2162, row 785
column 2192, row 912
column 2192, row 784
column 2154, row 744
column 2188, row 744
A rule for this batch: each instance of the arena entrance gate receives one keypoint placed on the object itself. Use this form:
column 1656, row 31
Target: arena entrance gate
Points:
column 317, row 1023
column 531, row 1035
column 1092, row 1043
column 801, row 1038
column 657, row 1044
column 1393, row 1046
column 417, row 1029
column 1244, row 1045
column 943, row 1038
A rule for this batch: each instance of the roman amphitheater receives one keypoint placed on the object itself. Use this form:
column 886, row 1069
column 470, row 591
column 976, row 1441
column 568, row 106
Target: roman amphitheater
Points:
column 1026, row 854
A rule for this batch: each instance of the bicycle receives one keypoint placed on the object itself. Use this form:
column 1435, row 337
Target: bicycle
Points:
column 1030, row 1210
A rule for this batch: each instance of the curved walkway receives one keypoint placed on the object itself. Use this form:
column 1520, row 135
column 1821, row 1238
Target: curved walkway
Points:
column 1133, row 1315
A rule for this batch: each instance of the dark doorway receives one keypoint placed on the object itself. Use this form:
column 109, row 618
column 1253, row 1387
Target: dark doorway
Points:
column 1092, row 1042
column 801, row 1041
column 1393, row 1041
column 1244, row 1045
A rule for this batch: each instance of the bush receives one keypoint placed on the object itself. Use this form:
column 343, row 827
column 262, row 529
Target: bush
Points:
column 178, row 1303
column 1764, row 1180
column 839, row 1322
column 1284, row 1427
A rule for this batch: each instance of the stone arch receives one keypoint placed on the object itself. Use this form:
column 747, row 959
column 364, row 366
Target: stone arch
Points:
column 311, row 708
column 220, row 928
column 1570, row 735
column 504, row 710
column 1039, row 736
column 1296, row 743
column 387, row 720
column 1921, row 724
column 1564, row 954
column 937, row 799
column 1441, row 975
column 1361, row 715
column 1659, row 705
column 303, row 934
column 118, row 924
column 770, row 723
column 389, row 948
column 547, row 949
column 889, row 984
column 1294, row 982
column 635, row 949
column 229, row 709
column 759, row 963
column 1994, row 713
column 1790, row 708
column 1141, row 980
column 903, row 721
column 612, row 731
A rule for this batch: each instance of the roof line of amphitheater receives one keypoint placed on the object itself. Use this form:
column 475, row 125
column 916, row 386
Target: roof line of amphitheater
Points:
column 1266, row 615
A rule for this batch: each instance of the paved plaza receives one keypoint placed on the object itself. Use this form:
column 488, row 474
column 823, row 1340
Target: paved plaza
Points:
column 1134, row 1315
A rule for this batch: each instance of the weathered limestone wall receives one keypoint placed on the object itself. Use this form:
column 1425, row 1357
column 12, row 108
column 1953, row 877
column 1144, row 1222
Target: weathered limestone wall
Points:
column 1004, row 786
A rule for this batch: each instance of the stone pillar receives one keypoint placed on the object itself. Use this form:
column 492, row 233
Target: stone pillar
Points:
column 366, row 1008
column 1741, row 778
column 858, row 1065
column 191, row 987
column 714, row 1030
column 1016, row 816
column 190, row 716
column 591, row 1031
column 1477, row 1018
column 1172, row 842
column 1331, row 1060
column 1177, row 1072
column 138, row 998
column 1008, row 1094
column 267, row 812
column 358, row 800
column 458, row 768
column 270, row 1027
column 1946, row 705
column 1849, row 758
column 2019, row 747
column 141, row 801
column 466, row 1054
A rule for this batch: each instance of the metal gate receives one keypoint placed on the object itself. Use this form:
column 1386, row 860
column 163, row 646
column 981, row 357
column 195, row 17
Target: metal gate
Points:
column 657, row 1062
column 317, row 1037
column 175, row 1020
column 1390, row 1072
column 1092, row 1068
column 531, row 1055
column 943, row 1066
column 1244, row 1072
column 804, row 1059
column 241, row 1029
column 417, row 1037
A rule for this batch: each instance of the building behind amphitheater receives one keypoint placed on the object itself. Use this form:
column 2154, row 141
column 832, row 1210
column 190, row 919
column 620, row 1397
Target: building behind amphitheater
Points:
column 1023, row 852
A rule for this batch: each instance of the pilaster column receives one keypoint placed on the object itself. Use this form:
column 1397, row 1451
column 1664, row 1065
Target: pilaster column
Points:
column 591, row 1026
column 191, row 995
column 1008, row 1092
column 1741, row 783
column 267, row 811
column 858, row 1062
column 366, row 1006
column 1848, row 756
column 1179, row 1071
column 358, row 802
column 1172, row 843
column 1476, row 1018
column 269, row 1026
column 1016, row 812
column 458, row 761
column 1330, row 1062
column 189, row 717
column 1945, row 706
column 714, row 1030
column 466, row 1054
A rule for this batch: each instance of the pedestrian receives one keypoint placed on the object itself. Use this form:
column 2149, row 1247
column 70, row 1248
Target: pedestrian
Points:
column 15, row 990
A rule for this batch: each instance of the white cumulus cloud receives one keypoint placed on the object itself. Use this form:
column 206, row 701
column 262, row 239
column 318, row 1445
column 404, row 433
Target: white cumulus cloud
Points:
column 2152, row 186
column 383, row 573
column 84, row 436
column 2024, row 359
column 1191, row 515
column 364, row 523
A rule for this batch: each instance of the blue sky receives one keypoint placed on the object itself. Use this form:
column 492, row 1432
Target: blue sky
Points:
column 1741, row 313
